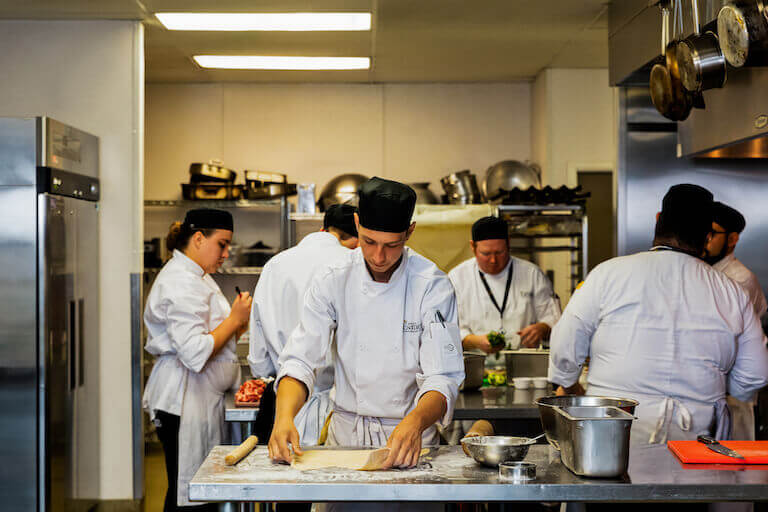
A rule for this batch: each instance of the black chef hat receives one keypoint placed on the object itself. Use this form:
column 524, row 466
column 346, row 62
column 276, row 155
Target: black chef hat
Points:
column 490, row 228
column 386, row 205
column 341, row 216
column 729, row 218
column 207, row 218
column 686, row 214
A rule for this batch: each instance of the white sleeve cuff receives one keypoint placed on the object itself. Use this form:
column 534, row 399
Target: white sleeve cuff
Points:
column 446, row 386
column 195, row 359
column 299, row 371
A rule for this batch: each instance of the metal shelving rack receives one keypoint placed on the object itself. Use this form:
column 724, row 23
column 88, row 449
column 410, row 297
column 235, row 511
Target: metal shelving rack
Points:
column 527, row 242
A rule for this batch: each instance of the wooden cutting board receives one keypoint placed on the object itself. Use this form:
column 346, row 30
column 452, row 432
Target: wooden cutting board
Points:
column 694, row 452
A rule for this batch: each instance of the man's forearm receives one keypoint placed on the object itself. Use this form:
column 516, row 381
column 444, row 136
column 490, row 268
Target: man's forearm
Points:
column 429, row 410
column 291, row 395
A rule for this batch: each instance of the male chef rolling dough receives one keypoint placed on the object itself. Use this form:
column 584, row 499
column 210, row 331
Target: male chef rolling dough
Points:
column 397, row 356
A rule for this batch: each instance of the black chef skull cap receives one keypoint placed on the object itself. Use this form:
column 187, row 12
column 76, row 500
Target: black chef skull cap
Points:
column 341, row 216
column 686, row 215
column 490, row 228
column 386, row 205
column 729, row 218
column 208, row 218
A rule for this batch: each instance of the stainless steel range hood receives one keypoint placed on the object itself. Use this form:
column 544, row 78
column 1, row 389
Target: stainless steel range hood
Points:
column 735, row 121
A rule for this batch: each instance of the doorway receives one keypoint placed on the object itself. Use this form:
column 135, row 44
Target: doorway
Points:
column 601, row 238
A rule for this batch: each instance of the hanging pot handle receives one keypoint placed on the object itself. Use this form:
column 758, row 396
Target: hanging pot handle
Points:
column 695, row 16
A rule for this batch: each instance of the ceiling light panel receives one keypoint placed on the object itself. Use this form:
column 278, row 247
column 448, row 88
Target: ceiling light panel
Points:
column 252, row 21
column 282, row 63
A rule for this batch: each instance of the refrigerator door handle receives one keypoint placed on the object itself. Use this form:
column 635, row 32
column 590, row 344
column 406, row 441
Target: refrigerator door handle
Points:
column 80, row 341
column 71, row 343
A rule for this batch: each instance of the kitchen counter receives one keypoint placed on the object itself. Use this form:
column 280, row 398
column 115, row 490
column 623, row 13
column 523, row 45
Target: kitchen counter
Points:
column 498, row 403
column 447, row 475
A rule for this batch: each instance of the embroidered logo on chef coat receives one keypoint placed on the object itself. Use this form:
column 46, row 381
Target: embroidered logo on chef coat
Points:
column 526, row 294
column 411, row 326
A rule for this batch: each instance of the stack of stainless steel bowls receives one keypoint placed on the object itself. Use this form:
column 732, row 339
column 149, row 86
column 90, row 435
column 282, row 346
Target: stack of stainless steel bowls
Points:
column 461, row 188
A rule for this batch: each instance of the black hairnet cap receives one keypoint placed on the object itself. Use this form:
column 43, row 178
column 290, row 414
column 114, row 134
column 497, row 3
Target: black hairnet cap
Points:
column 729, row 218
column 341, row 216
column 208, row 218
column 386, row 205
column 686, row 212
column 490, row 228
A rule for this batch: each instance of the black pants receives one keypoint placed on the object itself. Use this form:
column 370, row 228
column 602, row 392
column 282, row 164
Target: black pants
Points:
column 168, row 432
column 265, row 420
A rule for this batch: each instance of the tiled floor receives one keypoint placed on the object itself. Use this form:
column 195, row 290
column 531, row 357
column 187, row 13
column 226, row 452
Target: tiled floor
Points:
column 155, row 480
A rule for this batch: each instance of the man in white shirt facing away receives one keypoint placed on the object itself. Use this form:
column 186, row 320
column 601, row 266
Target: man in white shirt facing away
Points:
column 277, row 303
column 666, row 329
column 727, row 225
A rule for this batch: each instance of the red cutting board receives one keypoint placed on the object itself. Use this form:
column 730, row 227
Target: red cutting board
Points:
column 694, row 452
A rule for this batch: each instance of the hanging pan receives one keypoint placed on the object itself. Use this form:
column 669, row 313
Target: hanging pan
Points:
column 700, row 59
column 742, row 27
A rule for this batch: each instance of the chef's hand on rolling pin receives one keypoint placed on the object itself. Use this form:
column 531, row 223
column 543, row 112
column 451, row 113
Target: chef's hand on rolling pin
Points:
column 283, row 433
column 531, row 336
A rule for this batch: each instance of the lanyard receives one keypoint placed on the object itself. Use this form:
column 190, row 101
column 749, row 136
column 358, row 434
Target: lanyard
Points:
column 506, row 291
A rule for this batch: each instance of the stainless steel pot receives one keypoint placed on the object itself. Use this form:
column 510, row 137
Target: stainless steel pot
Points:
column 474, row 369
column 701, row 61
column 212, row 171
column 461, row 188
column 594, row 441
column 423, row 194
column 548, row 414
column 509, row 174
column 341, row 190
column 742, row 27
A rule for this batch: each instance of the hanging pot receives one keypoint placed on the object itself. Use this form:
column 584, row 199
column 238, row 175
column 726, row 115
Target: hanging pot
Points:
column 667, row 92
column 742, row 27
column 700, row 59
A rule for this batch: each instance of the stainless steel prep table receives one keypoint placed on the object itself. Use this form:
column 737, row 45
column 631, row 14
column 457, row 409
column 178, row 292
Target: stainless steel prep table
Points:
column 498, row 403
column 240, row 418
column 654, row 475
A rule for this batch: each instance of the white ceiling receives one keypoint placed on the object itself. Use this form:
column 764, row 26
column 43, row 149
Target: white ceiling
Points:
column 411, row 40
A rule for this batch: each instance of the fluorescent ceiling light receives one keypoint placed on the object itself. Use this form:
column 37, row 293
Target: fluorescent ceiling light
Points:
column 241, row 21
column 286, row 63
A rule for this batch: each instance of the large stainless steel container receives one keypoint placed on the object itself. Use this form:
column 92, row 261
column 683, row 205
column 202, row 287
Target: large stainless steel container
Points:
column 525, row 362
column 594, row 441
column 548, row 414
column 474, row 368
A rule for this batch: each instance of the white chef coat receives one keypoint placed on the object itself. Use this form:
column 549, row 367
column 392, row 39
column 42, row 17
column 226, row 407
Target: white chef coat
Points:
column 184, row 305
column 743, row 413
column 277, row 303
column 737, row 271
column 531, row 299
column 390, row 348
column 666, row 329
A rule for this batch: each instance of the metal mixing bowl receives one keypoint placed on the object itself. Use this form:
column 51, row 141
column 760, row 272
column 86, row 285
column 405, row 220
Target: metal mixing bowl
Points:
column 493, row 450
column 509, row 174
column 341, row 190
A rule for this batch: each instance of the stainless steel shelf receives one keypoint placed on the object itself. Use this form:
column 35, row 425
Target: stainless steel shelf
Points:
column 254, row 271
column 543, row 208
column 239, row 203
column 522, row 236
column 556, row 248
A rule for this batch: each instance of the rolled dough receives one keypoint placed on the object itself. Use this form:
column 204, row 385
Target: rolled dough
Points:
column 360, row 460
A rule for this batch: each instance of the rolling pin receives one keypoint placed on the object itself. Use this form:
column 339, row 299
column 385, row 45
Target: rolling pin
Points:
column 241, row 451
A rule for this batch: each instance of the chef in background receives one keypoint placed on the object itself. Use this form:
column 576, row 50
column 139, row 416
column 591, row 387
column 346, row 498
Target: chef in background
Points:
column 666, row 329
column 498, row 292
column 397, row 355
column 192, row 329
column 727, row 225
column 277, row 303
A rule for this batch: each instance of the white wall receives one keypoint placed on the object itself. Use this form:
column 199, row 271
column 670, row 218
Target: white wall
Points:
column 90, row 74
column 572, row 125
column 312, row 132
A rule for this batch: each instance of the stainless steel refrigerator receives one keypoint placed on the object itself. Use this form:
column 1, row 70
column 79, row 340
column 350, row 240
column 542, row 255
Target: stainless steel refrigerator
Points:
column 49, row 316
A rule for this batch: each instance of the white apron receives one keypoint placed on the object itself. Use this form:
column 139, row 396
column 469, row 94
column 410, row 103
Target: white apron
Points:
column 202, row 419
column 311, row 417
